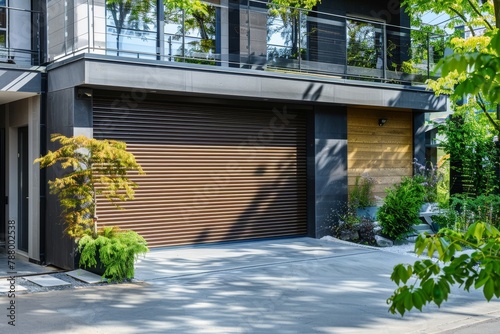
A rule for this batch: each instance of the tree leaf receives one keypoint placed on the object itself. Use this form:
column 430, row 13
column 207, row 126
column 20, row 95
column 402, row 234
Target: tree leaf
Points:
column 489, row 289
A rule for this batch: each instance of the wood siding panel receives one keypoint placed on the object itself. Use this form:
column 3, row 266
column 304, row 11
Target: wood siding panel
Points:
column 384, row 152
column 213, row 173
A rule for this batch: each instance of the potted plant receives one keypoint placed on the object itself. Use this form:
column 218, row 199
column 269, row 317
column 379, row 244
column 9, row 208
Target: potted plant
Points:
column 96, row 168
column 361, row 197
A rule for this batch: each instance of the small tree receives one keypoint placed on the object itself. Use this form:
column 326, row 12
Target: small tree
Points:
column 96, row 167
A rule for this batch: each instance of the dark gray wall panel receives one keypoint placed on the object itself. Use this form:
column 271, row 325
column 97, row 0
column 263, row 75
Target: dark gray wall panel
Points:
column 330, row 164
column 59, row 247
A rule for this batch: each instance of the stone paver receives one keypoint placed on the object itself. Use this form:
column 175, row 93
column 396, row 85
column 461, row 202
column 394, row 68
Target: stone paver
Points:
column 46, row 280
column 85, row 276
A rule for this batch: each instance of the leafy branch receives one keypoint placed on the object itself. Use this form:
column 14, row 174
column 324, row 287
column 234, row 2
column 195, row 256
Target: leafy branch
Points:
column 432, row 280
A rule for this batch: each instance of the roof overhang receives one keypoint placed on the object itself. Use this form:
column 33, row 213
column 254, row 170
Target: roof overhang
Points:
column 110, row 72
column 17, row 84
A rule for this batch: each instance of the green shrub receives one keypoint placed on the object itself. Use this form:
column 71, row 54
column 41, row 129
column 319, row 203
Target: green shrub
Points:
column 464, row 211
column 117, row 251
column 401, row 208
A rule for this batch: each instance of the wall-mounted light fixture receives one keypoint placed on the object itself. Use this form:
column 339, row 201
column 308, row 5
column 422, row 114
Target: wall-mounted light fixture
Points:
column 83, row 93
column 382, row 121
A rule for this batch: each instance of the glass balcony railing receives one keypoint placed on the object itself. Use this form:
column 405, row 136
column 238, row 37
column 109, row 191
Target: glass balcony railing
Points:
column 252, row 36
column 19, row 37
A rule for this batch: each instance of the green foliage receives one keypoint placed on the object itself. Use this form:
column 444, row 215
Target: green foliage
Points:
column 117, row 251
column 94, row 167
column 361, row 195
column 443, row 186
column 431, row 281
column 409, row 67
column 461, row 12
column 481, row 68
column 469, row 141
column 290, row 8
column 429, row 177
column 471, row 74
column 401, row 208
column 463, row 211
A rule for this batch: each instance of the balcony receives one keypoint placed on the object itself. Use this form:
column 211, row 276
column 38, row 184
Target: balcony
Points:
column 20, row 45
column 251, row 36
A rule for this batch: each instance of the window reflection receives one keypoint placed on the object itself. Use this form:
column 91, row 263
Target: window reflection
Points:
column 3, row 39
column 131, row 29
column 3, row 17
column 286, row 37
column 191, row 37
column 364, row 45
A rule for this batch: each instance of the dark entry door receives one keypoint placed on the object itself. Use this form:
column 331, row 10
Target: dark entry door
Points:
column 22, row 157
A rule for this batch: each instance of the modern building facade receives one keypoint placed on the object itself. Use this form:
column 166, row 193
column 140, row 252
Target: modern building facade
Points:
column 248, row 124
column 21, row 108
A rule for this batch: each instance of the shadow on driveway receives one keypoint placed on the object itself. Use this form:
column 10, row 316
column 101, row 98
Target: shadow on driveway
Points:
column 277, row 286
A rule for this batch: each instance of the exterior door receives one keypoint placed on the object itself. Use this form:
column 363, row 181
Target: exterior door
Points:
column 23, row 165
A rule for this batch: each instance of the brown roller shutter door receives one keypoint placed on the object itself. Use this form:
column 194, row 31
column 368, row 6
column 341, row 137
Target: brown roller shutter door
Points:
column 213, row 173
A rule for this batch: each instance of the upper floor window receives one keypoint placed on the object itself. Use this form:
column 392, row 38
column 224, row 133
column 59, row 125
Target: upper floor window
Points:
column 364, row 44
column 133, row 30
column 191, row 37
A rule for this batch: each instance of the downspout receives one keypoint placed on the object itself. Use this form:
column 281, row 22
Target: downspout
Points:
column 43, row 172
column 40, row 7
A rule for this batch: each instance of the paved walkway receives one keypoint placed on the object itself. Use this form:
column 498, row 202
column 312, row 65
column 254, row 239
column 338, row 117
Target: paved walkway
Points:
column 20, row 266
column 277, row 286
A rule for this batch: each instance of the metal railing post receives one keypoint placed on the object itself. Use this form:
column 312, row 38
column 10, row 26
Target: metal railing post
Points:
column 346, row 49
column 384, row 51
column 298, row 39
column 428, row 56
column 183, row 54
column 248, row 31
column 160, row 30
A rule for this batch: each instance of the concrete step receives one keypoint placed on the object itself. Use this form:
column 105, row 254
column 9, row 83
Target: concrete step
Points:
column 422, row 227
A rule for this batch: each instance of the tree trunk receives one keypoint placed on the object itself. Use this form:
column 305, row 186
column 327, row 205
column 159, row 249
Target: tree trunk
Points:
column 496, row 5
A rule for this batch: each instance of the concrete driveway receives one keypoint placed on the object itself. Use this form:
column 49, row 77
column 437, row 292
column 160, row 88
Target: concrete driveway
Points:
column 283, row 286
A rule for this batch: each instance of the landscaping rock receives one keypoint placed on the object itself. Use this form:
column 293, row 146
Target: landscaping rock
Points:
column 377, row 229
column 383, row 242
column 349, row 235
